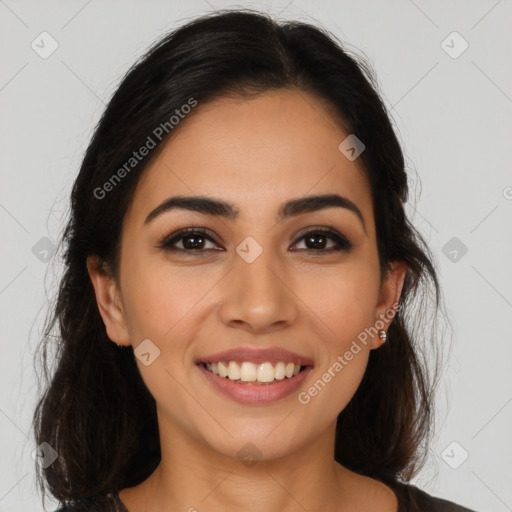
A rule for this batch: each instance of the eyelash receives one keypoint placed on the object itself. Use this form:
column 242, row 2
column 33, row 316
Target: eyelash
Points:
column 167, row 244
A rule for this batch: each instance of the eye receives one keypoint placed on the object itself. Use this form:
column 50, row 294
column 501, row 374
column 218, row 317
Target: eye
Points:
column 192, row 240
column 317, row 239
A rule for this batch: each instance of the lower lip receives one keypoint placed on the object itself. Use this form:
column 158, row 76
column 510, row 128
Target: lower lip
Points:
column 255, row 393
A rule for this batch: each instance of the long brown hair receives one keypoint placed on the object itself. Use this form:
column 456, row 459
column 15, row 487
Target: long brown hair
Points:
column 95, row 409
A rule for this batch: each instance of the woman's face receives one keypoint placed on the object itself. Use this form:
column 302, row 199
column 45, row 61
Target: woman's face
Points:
column 252, row 280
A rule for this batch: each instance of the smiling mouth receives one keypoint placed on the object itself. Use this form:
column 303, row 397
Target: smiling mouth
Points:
column 251, row 373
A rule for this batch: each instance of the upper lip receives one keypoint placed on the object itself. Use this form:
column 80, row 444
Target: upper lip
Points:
column 256, row 356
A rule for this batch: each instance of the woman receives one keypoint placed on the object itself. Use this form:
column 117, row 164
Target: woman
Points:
column 234, row 320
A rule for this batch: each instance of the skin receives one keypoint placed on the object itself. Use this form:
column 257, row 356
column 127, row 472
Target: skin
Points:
column 256, row 153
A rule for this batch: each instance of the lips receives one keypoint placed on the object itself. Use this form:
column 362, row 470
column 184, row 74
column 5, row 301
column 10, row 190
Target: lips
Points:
column 277, row 386
column 257, row 356
column 254, row 393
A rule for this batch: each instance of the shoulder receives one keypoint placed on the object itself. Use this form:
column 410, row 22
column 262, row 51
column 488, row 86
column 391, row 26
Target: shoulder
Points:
column 411, row 498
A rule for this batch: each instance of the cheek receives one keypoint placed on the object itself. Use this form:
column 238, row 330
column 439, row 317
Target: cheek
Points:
column 335, row 385
column 345, row 303
column 160, row 297
column 160, row 306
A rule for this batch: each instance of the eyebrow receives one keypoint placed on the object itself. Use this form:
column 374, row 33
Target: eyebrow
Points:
column 219, row 208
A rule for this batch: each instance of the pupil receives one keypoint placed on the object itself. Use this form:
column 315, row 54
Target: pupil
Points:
column 188, row 245
column 312, row 237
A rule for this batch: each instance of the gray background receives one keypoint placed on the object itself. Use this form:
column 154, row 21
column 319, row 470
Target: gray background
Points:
column 454, row 119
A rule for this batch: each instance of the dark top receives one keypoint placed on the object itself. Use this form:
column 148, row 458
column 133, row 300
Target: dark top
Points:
column 410, row 499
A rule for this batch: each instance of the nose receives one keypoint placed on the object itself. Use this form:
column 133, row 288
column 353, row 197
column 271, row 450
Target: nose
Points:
column 259, row 296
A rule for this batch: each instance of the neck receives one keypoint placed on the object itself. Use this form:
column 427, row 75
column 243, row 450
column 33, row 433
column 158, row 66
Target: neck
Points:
column 193, row 477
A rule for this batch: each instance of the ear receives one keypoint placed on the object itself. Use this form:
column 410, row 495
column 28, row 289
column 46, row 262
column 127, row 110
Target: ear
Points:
column 389, row 296
column 108, row 300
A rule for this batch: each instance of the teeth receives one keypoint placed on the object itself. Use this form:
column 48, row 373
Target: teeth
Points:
column 223, row 371
column 250, row 372
column 279, row 371
column 266, row 373
column 233, row 371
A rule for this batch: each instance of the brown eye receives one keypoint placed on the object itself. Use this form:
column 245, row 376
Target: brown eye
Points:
column 191, row 239
column 316, row 240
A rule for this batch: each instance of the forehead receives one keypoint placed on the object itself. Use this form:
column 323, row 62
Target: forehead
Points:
column 254, row 152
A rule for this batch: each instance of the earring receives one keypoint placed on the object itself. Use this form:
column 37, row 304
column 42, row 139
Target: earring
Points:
column 383, row 335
